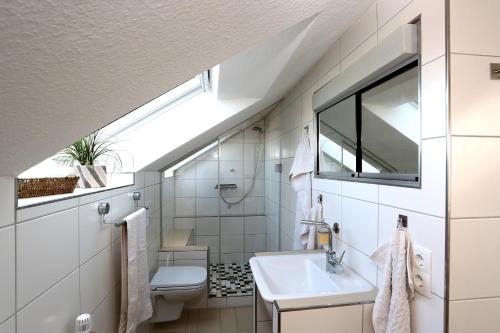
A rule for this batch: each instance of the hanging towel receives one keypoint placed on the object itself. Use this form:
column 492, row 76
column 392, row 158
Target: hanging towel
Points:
column 135, row 300
column 308, row 232
column 300, row 178
column 391, row 313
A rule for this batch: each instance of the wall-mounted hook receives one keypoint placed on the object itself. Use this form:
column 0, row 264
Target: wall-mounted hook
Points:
column 103, row 210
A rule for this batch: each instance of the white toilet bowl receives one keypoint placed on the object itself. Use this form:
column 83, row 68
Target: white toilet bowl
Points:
column 174, row 286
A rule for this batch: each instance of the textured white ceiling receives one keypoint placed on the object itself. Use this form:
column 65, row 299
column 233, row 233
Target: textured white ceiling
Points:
column 68, row 68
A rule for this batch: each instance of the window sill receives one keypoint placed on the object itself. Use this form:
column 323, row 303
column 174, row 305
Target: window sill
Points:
column 122, row 181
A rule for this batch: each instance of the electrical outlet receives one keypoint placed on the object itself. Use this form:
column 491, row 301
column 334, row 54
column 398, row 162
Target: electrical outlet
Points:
column 422, row 283
column 422, row 259
column 422, row 270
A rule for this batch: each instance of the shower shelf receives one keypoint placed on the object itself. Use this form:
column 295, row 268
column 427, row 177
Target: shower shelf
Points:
column 226, row 186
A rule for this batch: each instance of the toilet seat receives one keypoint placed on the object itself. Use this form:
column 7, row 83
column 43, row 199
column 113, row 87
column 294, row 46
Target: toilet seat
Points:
column 179, row 278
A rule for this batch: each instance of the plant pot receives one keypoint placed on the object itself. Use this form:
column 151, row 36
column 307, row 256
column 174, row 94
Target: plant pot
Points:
column 91, row 176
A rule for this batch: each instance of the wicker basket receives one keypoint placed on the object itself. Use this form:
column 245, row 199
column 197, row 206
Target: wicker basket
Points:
column 37, row 187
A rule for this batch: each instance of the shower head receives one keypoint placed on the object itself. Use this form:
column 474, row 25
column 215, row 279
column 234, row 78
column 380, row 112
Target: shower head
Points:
column 258, row 129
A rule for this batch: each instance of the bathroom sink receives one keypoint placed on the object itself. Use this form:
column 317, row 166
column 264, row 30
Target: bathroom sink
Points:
column 295, row 276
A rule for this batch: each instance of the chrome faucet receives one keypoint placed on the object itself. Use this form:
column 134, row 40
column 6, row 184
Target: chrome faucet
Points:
column 334, row 263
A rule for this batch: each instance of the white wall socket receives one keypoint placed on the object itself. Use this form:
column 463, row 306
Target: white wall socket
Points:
column 422, row 270
column 422, row 283
column 422, row 259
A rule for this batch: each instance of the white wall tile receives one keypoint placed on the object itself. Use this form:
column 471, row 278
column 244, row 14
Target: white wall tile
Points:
column 228, row 210
column 473, row 244
column 425, row 231
column 430, row 199
column 231, row 169
column 255, row 243
column 47, row 248
column 255, row 225
column 367, row 192
column 151, row 178
column 473, row 184
column 197, row 263
column 185, row 188
column 9, row 326
column 232, row 225
column 477, row 36
column 104, row 318
column 7, row 273
column 211, row 241
column 55, row 311
column 185, row 207
column 360, row 224
column 231, row 151
column 475, row 315
column 187, row 171
column 94, row 235
column 205, row 188
column 206, row 170
column 7, row 200
column 96, row 280
column 232, row 243
column 474, row 96
column 433, row 101
column 360, row 262
column 327, row 185
column 207, row 226
column 207, row 207
column 254, row 206
column 29, row 213
column 427, row 314
column 332, row 208
column 359, row 31
column 228, row 258
column 185, row 222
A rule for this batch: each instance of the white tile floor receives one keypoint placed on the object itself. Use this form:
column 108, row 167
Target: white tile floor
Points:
column 226, row 320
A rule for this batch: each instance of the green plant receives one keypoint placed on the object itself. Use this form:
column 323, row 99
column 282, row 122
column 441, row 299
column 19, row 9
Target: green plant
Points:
column 88, row 151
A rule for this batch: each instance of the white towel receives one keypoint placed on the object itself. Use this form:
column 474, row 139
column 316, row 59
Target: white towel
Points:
column 300, row 178
column 391, row 313
column 135, row 299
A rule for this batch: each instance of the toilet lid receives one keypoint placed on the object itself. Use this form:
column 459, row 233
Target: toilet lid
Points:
column 180, row 276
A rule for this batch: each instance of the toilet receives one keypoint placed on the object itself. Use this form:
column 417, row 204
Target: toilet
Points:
column 171, row 287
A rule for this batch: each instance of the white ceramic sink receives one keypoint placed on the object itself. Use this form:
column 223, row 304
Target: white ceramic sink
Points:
column 294, row 276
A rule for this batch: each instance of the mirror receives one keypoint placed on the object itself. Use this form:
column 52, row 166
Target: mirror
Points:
column 390, row 129
column 374, row 133
column 337, row 137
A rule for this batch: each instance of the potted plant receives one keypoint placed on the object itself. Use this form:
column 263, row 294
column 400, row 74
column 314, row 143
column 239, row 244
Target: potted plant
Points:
column 85, row 155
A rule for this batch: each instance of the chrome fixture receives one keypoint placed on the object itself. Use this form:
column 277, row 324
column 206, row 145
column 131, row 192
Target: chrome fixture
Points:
column 136, row 196
column 103, row 210
column 225, row 186
column 333, row 263
column 494, row 71
column 258, row 129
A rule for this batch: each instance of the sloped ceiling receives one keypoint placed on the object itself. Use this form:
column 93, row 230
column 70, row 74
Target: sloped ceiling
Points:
column 68, row 68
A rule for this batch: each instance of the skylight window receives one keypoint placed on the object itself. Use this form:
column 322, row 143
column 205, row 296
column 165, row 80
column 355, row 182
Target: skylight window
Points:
column 159, row 105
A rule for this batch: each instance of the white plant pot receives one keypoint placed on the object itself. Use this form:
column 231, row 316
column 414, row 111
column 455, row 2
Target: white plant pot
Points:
column 91, row 176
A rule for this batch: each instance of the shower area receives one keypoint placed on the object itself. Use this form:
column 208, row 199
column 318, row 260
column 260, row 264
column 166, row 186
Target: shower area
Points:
column 218, row 193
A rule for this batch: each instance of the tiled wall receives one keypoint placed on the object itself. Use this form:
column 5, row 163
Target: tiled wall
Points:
column 58, row 260
column 368, row 213
column 474, row 162
column 239, row 230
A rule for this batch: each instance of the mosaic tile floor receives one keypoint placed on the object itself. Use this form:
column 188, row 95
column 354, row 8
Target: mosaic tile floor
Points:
column 228, row 280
